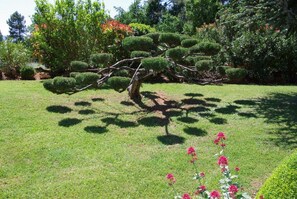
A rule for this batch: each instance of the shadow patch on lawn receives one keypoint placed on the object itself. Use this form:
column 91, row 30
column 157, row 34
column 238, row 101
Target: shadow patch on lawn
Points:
column 230, row 109
column 212, row 99
column 187, row 120
column 127, row 103
column 248, row 115
column 153, row 121
column 194, row 95
column 219, row 121
column 98, row 99
column 195, row 131
column 96, row 129
column 118, row 122
column 86, row 112
column 171, row 139
column 59, row 109
column 82, row 103
column 281, row 109
column 245, row 102
column 68, row 122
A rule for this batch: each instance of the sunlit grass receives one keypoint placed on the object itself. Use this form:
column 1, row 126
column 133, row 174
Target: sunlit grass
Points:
column 98, row 144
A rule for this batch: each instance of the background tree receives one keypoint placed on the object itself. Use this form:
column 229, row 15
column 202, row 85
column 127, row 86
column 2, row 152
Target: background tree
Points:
column 135, row 14
column 1, row 36
column 67, row 30
column 17, row 27
column 154, row 11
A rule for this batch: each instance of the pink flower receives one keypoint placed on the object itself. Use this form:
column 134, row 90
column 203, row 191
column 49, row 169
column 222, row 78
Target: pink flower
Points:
column 202, row 188
column 215, row 194
column 202, row 175
column 191, row 151
column 186, row 196
column 171, row 178
column 216, row 141
column 221, row 135
column 237, row 169
column 223, row 145
column 233, row 189
column 222, row 161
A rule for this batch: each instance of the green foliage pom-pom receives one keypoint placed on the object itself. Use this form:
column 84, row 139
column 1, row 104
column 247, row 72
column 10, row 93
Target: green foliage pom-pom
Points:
column 119, row 83
column 221, row 70
column 236, row 75
column 64, row 84
column 84, row 79
column 76, row 66
column 122, row 73
column 155, row 36
column 177, row 53
column 141, row 29
column 194, row 59
column 204, row 65
column 172, row 39
column 140, row 54
column 138, row 43
column 283, row 181
column 27, row 72
column 49, row 85
column 208, row 48
column 157, row 64
column 187, row 43
column 101, row 59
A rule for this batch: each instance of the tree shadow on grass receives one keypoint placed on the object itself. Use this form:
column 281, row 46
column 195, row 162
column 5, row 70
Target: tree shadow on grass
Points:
column 171, row 139
column 68, row 122
column 82, row 103
column 96, row 129
column 86, row 112
column 280, row 109
column 195, row 131
column 59, row 109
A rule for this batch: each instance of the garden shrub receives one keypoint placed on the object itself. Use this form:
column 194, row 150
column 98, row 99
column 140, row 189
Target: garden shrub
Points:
column 206, row 47
column 187, row 43
column 84, row 79
column 122, row 73
column 49, row 85
column 140, row 54
column 138, row 43
column 157, row 64
column 155, row 36
column 118, row 83
column 141, row 29
column 172, row 39
column 184, row 37
column 73, row 74
column 101, row 59
column 27, row 72
column 78, row 66
column 177, row 53
column 236, row 75
column 204, row 65
column 193, row 59
column 283, row 181
column 221, row 70
column 64, row 84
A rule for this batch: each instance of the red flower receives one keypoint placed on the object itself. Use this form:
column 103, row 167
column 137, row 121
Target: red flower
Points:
column 237, row 169
column 215, row 194
column 186, row 196
column 171, row 178
column 233, row 189
column 222, row 161
column 216, row 141
column 202, row 188
column 223, row 145
column 202, row 175
column 191, row 151
column 221, row 135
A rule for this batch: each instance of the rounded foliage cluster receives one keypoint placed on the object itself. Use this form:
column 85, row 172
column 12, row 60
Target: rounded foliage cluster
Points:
column 177, row 53
column 236, row 75
column 193, row 59
column 140, row 54
column 156, row 64
column 138, row 43
column 172, row 39
column 101, row 59
column 78, row 66
column 283, row 181
column 27, row 72
column 204, row 65
column 187, row 43
column 155, row 36
column 84, row 79
column 60, row 84
column 208, row 48
column 119, row 83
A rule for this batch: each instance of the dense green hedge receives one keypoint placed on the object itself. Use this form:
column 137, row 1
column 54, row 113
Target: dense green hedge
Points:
column 204, row 65
column 208, row 48
column 236, row 75
column 76, row 66
column 27, row 72
column 187, row 43
column 60, row 84
column 177, row 53
column 140, row 54
column 84, row 79
column 119, row 83
column 172, row 39
column 101, row 59
column 283, row 181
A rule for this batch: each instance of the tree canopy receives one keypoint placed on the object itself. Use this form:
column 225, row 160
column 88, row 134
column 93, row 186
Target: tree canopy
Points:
column 17, row 27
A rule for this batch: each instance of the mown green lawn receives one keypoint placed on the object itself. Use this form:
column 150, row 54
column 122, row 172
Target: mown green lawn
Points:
column 98, row 144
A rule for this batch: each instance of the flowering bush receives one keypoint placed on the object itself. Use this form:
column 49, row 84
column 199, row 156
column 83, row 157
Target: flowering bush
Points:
column 229, row 188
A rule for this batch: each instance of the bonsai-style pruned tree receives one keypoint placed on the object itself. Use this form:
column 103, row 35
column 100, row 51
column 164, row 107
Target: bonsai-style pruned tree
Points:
column 178, row 57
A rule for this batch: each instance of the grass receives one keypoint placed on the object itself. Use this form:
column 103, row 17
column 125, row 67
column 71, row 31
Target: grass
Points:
column 98, row 144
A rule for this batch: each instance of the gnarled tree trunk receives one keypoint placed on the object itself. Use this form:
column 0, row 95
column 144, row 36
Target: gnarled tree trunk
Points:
column 134, row 90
